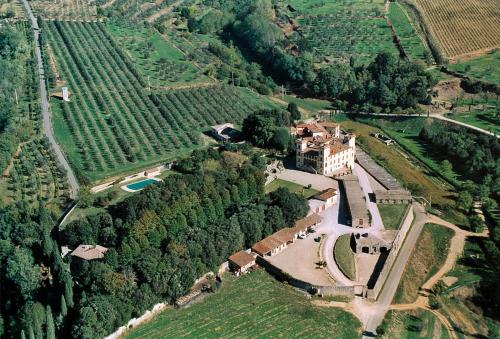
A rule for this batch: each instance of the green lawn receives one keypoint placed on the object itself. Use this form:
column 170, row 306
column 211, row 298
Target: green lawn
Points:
column 309, row 104
column 293, row 187
column 344, row 256
column 484, row 68
column 414, row 324
column 392, row 215
column 483, row 119
column 428, row 256
column 254, row 305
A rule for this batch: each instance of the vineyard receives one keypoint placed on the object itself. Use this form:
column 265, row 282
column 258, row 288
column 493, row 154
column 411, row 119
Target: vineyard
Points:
column 115, row 124
column 140, row 10
column 343, row 28
column 65, row 9
column 462, row 28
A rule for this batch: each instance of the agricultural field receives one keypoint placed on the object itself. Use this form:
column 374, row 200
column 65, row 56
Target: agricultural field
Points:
column 140, row 10
column 11, row 9
column 35, row 175
column 115, row 125
column 254, row 305
column 344, row 256
column 414, row 324
column 65, row 9
column 462, row 29
column 414, row 45
column 428, row 256
column 158, row 59
column 293, row 187
column 484, row 68
column 392, row 215
column 340, row 29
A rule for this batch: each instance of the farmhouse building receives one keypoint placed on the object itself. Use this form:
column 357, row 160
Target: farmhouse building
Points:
column 89, row 252
column 240, row 262
column 323, row 200
column 279, row 241
column 393, row 197
column 356, row 202
column 323, row 150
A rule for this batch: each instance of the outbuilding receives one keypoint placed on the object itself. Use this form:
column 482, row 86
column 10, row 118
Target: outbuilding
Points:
column 240, row 262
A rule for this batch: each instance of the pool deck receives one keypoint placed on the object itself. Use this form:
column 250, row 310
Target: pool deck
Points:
column 126, row 189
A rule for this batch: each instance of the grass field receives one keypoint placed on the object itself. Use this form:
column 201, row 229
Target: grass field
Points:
column 414, row 324
column 293, row 187
column 339, row 29
column 483, row 68
column 112, row 124
column 256, row 306
column 486, row 119
column 392, row 215
column 464, row 27
column 428, row 256
column 412, row 43
column 344, row 256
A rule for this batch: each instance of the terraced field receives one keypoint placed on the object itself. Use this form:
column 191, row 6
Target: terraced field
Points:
column 65, row 9
column 112, row 123
column 256, row 306
column 462, row 28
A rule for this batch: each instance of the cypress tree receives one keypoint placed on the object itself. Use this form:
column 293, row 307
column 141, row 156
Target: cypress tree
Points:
column 68, row 291
column 64, row 308
column 51, row 331
column 23, row 336
column 31, row 334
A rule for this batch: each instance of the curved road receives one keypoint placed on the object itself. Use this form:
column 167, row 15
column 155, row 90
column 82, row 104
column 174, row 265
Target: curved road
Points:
column 47, row 125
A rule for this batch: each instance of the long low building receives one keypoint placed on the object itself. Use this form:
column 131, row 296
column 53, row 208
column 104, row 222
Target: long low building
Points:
column 278, row 241
column 356, row 202
column 393, row 197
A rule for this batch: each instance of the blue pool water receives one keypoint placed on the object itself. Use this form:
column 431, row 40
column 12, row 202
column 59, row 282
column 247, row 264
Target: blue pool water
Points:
column 137, row 186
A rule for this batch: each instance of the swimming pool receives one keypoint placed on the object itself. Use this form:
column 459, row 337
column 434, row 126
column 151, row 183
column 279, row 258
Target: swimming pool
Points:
column 137, row 186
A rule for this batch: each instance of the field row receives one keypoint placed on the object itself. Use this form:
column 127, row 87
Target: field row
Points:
column 65, row 9
column 463, row 27
column 114, row 122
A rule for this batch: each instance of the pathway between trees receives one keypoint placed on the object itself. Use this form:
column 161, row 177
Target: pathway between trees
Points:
column 47, row 123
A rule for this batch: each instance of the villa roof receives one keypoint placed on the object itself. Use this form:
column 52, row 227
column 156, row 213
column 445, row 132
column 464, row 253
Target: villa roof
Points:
column 89, row 252
column 328, row 124
column 337, row 148
column 241, row 258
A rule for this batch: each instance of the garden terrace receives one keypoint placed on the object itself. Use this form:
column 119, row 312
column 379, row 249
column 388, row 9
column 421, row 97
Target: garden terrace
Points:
column 115, row 124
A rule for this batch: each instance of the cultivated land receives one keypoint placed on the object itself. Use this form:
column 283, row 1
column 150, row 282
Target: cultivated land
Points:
column 413, row 44
column 65, row 10
column 428, row 256
column 464, row 28
column 254, row 305
column 339, row 29
column 392, row 215
column 115, row 124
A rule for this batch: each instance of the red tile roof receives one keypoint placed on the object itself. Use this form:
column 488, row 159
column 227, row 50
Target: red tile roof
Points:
column 326, row 194
column 241, row 258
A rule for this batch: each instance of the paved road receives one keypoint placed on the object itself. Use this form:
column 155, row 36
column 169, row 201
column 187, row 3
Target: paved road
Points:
column 440, row 117
column 47, row 124
column 377, row 311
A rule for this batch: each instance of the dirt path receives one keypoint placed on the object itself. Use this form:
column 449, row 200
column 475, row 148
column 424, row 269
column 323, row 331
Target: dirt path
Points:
column 108, row 4
column 457, row 245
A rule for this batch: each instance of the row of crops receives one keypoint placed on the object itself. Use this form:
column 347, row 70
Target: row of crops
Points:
column 113, row 121
column 140, row 9
column 65, row 9
column 36, row 175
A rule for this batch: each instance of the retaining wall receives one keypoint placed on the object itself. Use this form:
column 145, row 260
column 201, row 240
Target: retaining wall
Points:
column 398, row 241
column 324, row 290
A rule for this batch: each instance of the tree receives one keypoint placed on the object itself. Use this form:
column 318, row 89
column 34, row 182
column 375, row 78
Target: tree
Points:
column 64, row 308
column 23, row 272
column 292, row 205
column 281, row 138
column 294, row 111
column 51, row 331
column 476, row 223
column 465, row 201
column 445, row 166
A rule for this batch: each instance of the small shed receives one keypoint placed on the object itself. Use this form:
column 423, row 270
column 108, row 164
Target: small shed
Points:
column 240, row 262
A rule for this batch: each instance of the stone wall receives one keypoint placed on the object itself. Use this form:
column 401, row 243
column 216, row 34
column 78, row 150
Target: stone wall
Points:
column 398, row 241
